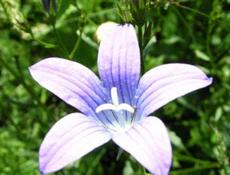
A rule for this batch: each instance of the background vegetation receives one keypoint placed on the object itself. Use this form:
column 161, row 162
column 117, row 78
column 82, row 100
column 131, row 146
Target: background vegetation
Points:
column 190, row 31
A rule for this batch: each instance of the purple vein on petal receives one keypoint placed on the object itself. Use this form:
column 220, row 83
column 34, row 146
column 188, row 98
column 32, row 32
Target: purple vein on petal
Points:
column 115, row 74
column 67, row 141
column 109, row 76
column 167, row 79
column 79, row 94
column 96, row 101
column 115, row 71
column 130, row 83
column 134, row 52
column 140, row 139
column 92, row 108
column 127, row 82
column 124, row 83
column 158, row 95
column 63, row 135
column 154, row 147
column 137, row 141
column 121, row 84
column 120, row 65
column 154, row 83
column 82, row 83
column 83, row 137
column 117, row 55
column 159, row 84
column 146, row 140
column 157, row 91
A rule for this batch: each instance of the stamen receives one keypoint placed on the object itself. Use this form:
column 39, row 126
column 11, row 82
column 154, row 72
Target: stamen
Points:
column 106, row 106
column 127, row 107
column 115, row 104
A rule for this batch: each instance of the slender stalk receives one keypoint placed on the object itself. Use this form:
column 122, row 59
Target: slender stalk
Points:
column 120, row 151
column 195, row 169
column 140, row 39
column 61, row 44
column 76, row 46
column 44, row 43
column 192, row 159
column 190, row 9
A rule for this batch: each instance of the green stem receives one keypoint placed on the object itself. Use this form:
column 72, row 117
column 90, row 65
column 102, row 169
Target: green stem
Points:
column 140, row 39
column 191, row 159
column 120, row 151
column 61, row 44
column 190, row 9
column 192, row 170
column 44, row 43
column 76, row 46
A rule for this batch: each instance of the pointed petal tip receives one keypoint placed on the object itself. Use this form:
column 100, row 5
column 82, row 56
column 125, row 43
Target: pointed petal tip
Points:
column 209, row 80
column 68, row 140
column 72, row 82
column 39, row 63
column 32, row 67
column 44, row 170
column 167, row 82
column 148, row 142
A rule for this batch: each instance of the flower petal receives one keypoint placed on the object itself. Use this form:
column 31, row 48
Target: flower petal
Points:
column 72, row 82
column 119, row 61
column 165, row 83
column 149, row 143
column 69, row 139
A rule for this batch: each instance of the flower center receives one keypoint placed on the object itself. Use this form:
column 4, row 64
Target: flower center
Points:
column 115, row 104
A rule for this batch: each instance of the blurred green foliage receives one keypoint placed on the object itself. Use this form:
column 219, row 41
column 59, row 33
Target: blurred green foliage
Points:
column 190, row 31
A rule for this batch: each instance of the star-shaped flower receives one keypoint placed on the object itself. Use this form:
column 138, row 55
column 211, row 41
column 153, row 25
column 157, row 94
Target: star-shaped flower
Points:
column 116, row 106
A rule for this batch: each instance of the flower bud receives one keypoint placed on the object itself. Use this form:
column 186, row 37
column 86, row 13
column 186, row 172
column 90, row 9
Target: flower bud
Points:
column 104, row 30
column 48, row 3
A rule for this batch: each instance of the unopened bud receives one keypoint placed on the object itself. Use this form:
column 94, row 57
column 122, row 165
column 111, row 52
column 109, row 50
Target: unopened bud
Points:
column 104, row 30
column 48, row 3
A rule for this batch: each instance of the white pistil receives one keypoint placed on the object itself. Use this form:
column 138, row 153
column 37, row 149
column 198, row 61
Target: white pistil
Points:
column 114, row 96
column 115, row 104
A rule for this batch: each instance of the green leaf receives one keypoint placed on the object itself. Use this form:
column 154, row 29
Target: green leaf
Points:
column 176, row 140
column 149, row 45
column 202, row 55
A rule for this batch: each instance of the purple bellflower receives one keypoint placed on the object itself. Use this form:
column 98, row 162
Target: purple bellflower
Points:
column 115, row 107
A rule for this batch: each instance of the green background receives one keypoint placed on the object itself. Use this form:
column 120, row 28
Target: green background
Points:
column 188, row 31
